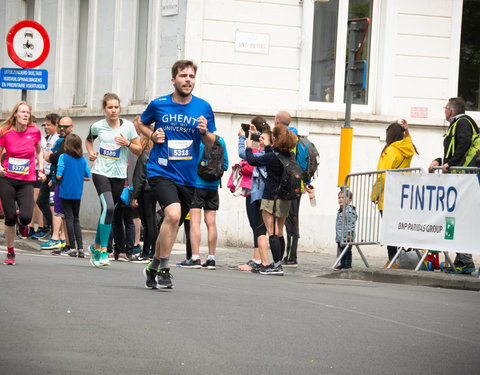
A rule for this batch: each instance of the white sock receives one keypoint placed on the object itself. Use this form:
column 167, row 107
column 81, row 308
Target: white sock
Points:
column 257, row 261
column 211, row 257
column 195, row 256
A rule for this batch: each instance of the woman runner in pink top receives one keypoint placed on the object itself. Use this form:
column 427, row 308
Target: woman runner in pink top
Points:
column 20, row 139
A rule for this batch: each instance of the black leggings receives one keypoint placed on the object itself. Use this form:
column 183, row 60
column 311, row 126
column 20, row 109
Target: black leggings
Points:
column 252, row 215
column 20, row 192
column 148, row 216
column 71, row 210
column 109, row 191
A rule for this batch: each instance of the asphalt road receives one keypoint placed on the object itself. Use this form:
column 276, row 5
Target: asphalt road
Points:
column 62, row 316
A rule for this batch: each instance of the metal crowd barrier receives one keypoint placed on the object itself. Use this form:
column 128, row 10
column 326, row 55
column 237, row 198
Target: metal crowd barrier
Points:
column 366, row 189
column 453, row 170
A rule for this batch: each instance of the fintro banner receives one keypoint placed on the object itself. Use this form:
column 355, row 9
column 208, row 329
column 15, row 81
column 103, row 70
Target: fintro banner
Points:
column 432, row 211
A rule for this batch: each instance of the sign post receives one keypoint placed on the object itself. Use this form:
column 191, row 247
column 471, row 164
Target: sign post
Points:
column 28, row 46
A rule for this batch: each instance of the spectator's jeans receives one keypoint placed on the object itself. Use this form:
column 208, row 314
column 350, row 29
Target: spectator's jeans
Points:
column 346, row 260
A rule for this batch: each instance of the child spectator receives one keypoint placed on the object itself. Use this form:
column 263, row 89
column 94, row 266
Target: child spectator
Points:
column 72, row 170
column 345, row 228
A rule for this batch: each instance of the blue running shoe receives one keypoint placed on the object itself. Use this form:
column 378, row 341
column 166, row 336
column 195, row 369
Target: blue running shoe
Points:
column 104, row 258
column 94, row 256
column 182, row 263
column 193, row 264
column 137, row 249
column 51, row 244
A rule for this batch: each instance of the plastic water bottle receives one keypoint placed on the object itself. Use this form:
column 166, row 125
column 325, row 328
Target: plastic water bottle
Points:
column 311, row 195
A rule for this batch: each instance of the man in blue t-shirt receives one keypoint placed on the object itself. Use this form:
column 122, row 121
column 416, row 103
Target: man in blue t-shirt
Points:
column 181, row 121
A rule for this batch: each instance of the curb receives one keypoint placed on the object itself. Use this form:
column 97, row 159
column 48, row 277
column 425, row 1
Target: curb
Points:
column 408, row 277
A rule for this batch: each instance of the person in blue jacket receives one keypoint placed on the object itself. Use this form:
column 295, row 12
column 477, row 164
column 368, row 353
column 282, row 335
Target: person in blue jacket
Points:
column 205, row 197
column 72, row 170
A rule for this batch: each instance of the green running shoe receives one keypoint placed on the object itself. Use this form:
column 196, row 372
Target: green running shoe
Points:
column 94, row 256
column 104, row 258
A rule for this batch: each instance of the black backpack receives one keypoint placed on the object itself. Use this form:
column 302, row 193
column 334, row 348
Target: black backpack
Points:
column 290, row 186
column 210, row 167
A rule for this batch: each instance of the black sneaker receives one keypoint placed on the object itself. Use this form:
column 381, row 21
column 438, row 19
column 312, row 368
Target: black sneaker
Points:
column 289, row 263
column 150, row 277
column 209, row 264
column 81, row 253
column 195, row 264
column 60, row 252
column 256, row 267
column 164, row 279
column 272, row 270
column 70, row 252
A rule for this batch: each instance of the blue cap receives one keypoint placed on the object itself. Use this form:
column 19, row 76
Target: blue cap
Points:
column 294, row 130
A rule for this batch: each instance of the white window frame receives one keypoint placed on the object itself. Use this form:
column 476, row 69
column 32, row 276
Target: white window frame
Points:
column 340, row 61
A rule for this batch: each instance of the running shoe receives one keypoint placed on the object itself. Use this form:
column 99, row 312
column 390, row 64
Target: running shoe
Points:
column 209, row 264
column 194, row 264
column 51, row 244
column 182, row 263
column 272, row 270
column 461, row 268
column 94, row 256
column 31, row 232
column 81, row 253
column 63, row 243
column 60, row 252
column 104, row 261
column 164, row 278
column 247, row 266
column 289, row 263
column 9, row 260
column 39, row 234
column 136, row 249
column 257, row 267
column 150, row 277
column 141, row 258
column 23, row 231
column 70, row 252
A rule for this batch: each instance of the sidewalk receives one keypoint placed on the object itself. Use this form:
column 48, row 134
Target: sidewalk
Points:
column 310, row 264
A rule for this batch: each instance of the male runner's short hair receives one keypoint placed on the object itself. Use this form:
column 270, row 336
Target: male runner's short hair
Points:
column 182, row 64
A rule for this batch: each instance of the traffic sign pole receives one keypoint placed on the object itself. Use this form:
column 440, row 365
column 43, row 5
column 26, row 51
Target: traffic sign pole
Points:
column 28, row 46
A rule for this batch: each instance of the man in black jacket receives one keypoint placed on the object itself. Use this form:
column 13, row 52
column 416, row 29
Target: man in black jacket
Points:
column 458, row 140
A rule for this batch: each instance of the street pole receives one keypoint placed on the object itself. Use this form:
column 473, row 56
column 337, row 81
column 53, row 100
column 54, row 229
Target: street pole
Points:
column 346, row 133
column 357, row 29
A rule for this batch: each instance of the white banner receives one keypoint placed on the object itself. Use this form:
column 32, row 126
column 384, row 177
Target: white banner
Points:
column 432, row 211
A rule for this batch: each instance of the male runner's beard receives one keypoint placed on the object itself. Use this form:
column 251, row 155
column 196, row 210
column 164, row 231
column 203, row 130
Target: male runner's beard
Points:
column 182, row 93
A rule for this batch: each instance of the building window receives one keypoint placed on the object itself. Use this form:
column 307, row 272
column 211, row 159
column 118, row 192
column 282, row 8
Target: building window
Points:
column 140, row 75
column 80, row 96
column 327, row 80
column 469, row 71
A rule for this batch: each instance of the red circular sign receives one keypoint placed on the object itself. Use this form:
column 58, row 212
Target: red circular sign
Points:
column 28, row 44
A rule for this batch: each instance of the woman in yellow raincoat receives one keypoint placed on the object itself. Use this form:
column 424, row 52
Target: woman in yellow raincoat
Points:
column 396, row 154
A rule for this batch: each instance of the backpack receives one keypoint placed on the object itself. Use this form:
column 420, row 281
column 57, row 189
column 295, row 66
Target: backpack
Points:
column 307, row 157
column 470, row 155
column 210, row 167
column 290, row 186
